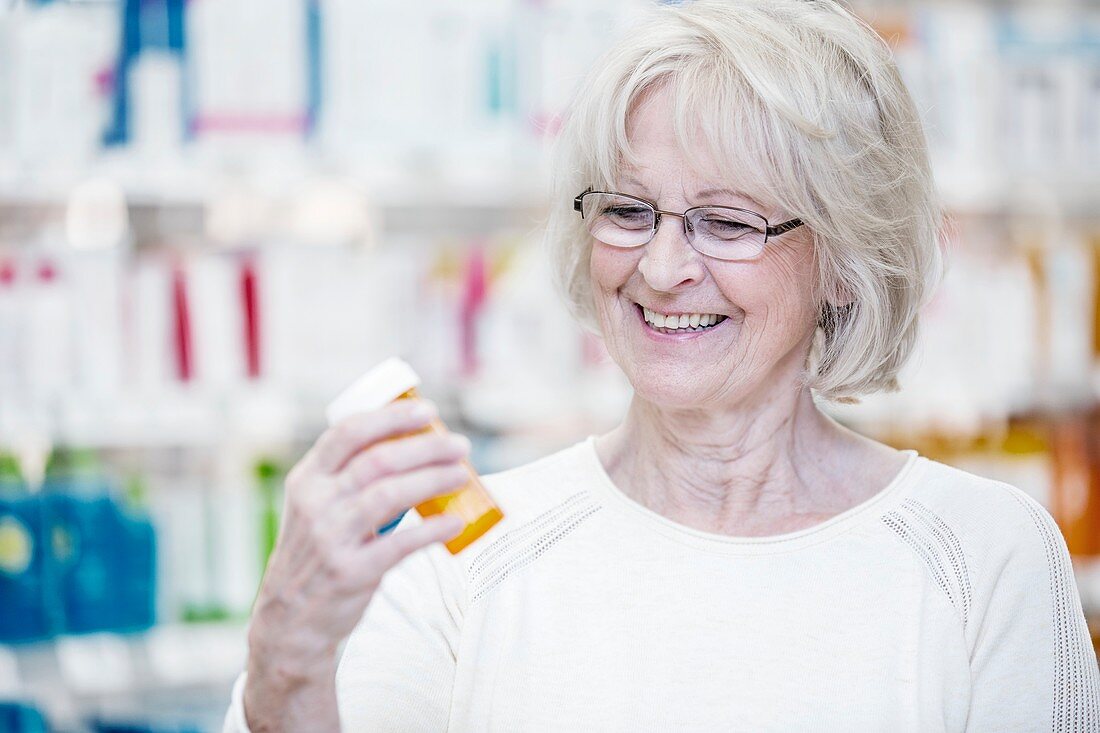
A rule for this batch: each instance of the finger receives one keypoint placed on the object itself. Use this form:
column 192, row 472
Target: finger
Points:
column 349, row 436
column 385, row 552
column 378, row 503
column 399, row 456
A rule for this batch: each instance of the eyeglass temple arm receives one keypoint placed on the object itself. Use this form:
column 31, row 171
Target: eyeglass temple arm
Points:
column 784, row 227
column 577, row 206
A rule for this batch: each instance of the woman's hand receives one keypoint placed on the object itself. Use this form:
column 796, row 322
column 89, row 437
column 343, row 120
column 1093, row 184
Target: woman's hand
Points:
column 328, row 560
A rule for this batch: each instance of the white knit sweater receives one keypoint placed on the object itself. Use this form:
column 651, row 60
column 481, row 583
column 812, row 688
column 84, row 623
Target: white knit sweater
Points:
column 946, row 602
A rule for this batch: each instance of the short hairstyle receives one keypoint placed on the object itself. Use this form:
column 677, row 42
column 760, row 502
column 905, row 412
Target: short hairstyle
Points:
column 807, row 96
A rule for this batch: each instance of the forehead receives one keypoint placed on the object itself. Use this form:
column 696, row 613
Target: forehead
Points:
column 662, row 157
column 655, row 140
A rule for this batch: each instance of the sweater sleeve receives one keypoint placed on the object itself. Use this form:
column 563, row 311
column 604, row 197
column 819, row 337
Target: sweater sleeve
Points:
column 397, row 669
column 398, row 666
column 1033, row 666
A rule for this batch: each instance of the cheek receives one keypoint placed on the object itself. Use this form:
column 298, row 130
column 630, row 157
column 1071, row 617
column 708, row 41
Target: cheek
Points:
column 779, row 291
column 611, row 268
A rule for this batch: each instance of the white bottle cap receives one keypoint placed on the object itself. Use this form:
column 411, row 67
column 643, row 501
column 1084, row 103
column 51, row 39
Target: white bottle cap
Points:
column 378, row 387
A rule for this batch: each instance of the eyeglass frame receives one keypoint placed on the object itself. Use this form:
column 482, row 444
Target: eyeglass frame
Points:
column 769, row 231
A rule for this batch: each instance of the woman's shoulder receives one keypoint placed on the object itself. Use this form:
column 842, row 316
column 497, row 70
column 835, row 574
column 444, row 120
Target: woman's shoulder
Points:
column 975, row 525
column 976, row 503
column 1003, row 563
column 543, row 502
column 542, row 479
column 557, row 479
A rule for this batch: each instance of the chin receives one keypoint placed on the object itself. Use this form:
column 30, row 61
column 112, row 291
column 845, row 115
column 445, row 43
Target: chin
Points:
column 671, row 389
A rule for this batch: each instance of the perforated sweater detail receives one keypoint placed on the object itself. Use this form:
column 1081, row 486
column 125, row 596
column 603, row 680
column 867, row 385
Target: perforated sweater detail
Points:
column 1076, row 681
column 526, row 544
column 938, row 548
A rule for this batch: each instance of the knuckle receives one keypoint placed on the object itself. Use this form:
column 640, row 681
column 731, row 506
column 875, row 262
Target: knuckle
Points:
column 378, row 461
column 338, row 567
column 357, row 473
column 302, row 507
column 336, row 571
column 346, row 482
column 344, row 432
column 386, row 494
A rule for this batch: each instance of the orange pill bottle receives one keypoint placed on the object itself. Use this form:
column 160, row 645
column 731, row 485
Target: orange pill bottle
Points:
column 394, row 379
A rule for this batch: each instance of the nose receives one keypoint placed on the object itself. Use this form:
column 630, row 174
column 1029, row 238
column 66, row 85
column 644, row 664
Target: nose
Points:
column 669, row 262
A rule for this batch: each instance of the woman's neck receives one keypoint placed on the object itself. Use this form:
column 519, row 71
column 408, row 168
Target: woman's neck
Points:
column 764, row 469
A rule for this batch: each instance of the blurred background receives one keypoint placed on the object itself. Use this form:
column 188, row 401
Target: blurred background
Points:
column 215, row 214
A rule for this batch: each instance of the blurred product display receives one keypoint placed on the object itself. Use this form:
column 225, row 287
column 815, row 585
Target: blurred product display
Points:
column 26, row 617
column 209, row 226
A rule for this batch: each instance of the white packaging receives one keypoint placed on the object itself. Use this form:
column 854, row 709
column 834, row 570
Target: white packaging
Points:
column 156, row 110
column 248, row 69
column 148, row 319
column 49, row 337
column 380, row 385
column 217, row 323
column 94, row 284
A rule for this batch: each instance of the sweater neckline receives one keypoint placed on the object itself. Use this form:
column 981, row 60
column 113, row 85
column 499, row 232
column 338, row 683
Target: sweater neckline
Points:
column 868, row 509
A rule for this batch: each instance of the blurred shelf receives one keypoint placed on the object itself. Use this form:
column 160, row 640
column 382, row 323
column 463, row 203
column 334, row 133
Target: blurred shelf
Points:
column 176, row 182
column 1019, row 194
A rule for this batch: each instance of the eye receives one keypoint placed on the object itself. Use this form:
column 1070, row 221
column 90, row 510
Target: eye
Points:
column 721, row 223
column 628, row 215
column 726, row 226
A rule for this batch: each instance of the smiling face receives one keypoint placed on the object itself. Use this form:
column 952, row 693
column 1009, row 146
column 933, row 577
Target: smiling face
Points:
column 766, row 305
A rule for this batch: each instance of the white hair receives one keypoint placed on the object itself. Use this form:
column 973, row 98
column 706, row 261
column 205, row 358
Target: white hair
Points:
column 807, row 97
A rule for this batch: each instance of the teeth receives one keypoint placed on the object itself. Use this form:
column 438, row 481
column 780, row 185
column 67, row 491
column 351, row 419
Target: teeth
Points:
column 693, row 320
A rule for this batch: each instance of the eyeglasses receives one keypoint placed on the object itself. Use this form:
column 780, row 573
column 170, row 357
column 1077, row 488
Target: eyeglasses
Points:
column 722, row 232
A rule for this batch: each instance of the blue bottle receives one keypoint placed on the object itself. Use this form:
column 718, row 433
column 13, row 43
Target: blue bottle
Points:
column 137, row 561
column 102, row 556
column 25, row 614
column 19, row 718
column 141, row 727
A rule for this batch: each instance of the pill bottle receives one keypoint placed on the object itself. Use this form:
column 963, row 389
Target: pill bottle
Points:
column 392, row 380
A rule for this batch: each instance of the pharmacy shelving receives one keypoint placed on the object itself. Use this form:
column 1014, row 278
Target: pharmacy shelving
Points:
column 428, row 161
column 174, row 671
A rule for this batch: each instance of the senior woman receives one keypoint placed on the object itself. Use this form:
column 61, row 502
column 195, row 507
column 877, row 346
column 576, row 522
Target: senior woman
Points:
column 746, row 215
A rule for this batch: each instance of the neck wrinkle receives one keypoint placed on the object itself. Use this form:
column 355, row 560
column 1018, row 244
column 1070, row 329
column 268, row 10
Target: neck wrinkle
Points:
column 724, row 468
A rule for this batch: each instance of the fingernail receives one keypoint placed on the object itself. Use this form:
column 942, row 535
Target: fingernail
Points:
column 460, row 441
column 422, row 410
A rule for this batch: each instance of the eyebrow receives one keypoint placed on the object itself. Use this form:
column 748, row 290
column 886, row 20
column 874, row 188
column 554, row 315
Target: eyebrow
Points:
column 724, row 192
column 706, row 193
